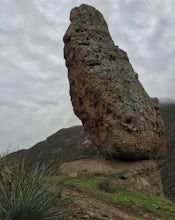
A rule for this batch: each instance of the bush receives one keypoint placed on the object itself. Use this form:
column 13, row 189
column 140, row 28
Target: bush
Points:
column 25, row 194
column 106, row 186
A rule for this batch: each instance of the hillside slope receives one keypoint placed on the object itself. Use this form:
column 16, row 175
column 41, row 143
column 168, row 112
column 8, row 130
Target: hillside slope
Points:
column 100, row 198
column 65, row 145
column 167, row 163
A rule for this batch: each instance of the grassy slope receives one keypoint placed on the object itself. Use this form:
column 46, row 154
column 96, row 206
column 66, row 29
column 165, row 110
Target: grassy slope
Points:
column 155, row 205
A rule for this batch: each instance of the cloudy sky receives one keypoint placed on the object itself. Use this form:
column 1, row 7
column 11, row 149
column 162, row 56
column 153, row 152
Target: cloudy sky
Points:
column 34, row 90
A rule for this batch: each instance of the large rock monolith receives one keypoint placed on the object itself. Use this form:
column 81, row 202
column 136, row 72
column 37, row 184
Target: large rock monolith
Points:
column 124, row 122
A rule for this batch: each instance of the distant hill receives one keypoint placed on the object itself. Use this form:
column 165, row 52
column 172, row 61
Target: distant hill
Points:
column 65, row 145
column 74, row 143
column 167, row 164
column 166, row 100
column 168, row 114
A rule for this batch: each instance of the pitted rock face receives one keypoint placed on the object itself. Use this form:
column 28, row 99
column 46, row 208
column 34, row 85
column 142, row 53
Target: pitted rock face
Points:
column 124, row 122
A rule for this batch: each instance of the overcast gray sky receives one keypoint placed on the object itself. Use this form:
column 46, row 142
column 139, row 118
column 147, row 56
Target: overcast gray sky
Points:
column 34, row 90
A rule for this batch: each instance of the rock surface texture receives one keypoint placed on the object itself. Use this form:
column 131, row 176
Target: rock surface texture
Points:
column 124, row 122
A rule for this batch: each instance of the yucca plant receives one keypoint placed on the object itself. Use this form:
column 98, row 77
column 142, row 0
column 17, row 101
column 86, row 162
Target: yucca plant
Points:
column 25, row 194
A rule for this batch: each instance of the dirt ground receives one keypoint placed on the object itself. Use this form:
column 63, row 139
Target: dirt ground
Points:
column 96, row 209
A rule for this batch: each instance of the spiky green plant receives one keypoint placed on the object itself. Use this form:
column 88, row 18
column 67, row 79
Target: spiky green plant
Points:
column 25, row 194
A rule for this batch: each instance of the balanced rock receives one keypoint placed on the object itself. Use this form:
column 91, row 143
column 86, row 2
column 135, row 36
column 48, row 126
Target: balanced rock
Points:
column 124, row 122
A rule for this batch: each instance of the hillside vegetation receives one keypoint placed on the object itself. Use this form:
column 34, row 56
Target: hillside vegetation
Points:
column 95, row 193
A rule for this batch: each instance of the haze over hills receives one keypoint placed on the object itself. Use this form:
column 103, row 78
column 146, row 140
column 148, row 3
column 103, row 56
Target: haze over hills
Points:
column 166, row 100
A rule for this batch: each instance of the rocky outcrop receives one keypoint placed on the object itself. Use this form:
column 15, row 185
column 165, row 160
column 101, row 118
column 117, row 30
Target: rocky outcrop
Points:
column 137, row 175
column 114, row 108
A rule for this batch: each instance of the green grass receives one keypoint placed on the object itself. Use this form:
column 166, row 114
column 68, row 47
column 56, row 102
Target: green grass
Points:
column 121, row 195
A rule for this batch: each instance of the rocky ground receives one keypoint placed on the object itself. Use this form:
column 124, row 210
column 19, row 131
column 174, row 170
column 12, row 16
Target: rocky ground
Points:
column 116, row 189
column 95, row 208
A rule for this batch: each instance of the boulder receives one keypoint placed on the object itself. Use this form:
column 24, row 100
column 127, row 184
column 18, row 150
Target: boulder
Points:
column 124, row 122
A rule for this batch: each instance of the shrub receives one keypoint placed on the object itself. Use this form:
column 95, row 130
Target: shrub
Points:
column 106, row 186
column 25, row 194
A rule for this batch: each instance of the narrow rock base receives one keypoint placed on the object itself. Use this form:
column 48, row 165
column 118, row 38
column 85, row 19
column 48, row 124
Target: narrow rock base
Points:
column 136, row 175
